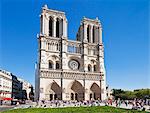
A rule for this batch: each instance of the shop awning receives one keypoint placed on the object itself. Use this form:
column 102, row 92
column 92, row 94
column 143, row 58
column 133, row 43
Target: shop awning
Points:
column 7, row 98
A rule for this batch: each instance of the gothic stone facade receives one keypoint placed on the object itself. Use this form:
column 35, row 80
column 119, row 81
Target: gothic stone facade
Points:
column 67, row 69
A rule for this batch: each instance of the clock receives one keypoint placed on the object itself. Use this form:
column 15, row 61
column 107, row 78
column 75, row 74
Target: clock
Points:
column 73, row 64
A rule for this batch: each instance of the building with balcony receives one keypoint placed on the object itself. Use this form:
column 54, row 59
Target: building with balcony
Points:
column 16, row 88
column 5, row 84
column 26, row 88
column 69, row 69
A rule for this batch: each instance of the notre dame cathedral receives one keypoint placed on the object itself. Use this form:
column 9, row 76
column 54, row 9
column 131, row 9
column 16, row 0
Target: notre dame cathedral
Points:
column 69, row 69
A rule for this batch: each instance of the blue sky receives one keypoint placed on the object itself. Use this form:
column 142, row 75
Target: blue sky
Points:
column 125, row 36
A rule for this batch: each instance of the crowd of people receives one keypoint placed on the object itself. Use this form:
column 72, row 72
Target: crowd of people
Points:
column 135, row 104
column 61, row 103
column 138, row 104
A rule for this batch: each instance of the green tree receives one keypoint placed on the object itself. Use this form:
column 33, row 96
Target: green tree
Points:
column 139, row 93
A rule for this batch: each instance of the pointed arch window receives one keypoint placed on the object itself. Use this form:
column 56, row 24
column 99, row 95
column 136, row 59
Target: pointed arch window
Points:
column 93, row 34
column 50, row 65
column 89, row 68
column 57, row 47
column 95, row 68
column 57, row 27
column 41, row 27
column 50, row 25
column 57, row 65
column 88, row 30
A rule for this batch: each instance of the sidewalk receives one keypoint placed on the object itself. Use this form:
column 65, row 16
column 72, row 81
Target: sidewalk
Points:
column 6, row 107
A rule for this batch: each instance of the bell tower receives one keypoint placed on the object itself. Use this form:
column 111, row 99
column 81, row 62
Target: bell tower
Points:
column 53, row 33
column 90, row 34
column 53, row 23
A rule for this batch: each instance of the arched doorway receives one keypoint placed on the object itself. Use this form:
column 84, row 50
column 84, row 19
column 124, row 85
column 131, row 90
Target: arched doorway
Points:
column 54, row 91
column 77, row 91
column 95, row 89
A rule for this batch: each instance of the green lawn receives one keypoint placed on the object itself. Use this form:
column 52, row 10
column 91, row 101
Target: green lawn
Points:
column 104, row 109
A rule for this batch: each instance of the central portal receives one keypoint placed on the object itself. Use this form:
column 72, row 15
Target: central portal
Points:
column 77, row 91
